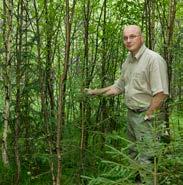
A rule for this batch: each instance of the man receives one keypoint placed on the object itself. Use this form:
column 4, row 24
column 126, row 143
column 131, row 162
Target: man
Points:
column 144, row 81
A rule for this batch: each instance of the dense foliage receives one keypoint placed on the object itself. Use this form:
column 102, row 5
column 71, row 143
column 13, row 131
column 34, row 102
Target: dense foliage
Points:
column 50, row 131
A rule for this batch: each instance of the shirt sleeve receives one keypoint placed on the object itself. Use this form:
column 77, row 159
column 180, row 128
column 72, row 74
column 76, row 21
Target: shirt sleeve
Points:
column 159, row 76
column 120, row 83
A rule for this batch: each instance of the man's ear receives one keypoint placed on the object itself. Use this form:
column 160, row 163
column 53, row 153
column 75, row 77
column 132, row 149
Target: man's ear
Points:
column 142, row 38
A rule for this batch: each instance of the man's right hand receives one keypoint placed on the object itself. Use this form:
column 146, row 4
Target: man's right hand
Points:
column 89, row 91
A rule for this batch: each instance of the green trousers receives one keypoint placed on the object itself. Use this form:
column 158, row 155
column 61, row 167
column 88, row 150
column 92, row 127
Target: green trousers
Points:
column 139, row 132
column 145, row 136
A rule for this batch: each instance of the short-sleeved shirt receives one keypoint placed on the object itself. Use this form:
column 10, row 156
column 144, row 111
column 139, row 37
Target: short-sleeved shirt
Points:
column 142, row 76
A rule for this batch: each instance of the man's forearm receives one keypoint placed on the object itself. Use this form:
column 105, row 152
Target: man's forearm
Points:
column 101, row 90
column 156, row 103
column 106, row 91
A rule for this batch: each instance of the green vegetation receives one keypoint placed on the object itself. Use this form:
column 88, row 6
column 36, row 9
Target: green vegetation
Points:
column 50, row 131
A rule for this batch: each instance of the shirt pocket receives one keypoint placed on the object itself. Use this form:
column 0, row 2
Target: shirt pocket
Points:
column 139, row 81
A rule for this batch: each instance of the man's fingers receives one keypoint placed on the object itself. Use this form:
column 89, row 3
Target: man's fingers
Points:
column 88, row 91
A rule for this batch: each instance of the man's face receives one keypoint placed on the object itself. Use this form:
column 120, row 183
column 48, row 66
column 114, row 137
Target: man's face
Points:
column 133, row 39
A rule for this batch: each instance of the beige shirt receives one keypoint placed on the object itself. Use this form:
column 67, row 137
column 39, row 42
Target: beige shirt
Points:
column 142, row 77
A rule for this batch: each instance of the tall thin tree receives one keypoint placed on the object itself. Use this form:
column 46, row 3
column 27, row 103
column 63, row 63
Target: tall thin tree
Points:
column 168, row 49
column 19, row 61
column 62, row 87
column 85, row 109
column 7, row 38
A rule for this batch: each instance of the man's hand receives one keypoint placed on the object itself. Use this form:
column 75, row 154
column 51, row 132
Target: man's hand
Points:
column 90, row 91
column 155, row 105
column 148, row 117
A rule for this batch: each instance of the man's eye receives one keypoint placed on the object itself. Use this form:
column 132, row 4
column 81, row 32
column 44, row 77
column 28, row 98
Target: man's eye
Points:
column 131, row 37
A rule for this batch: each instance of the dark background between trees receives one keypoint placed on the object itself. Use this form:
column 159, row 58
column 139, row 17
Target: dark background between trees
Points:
column 50, row 132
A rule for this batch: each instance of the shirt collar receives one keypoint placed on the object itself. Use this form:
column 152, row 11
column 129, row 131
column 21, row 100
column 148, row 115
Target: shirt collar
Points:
column 138, row 55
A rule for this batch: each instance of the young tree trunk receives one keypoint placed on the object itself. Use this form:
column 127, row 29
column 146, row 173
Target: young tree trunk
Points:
column 85, row 110
column 62, row 89
column 26, row 100
column 102, row 110
column 7, row 38
column 150, row 22
column 19, row 60
column 168, row 52
column 48, row 102
column 45, row 79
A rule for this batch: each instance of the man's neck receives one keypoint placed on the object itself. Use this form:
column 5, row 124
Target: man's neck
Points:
column 135, row 52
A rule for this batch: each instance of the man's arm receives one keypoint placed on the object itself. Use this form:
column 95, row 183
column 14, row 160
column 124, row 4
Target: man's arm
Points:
column 106, row 91
column 155, row 104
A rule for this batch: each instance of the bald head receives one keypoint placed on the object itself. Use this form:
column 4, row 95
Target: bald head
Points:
column 133, row 28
